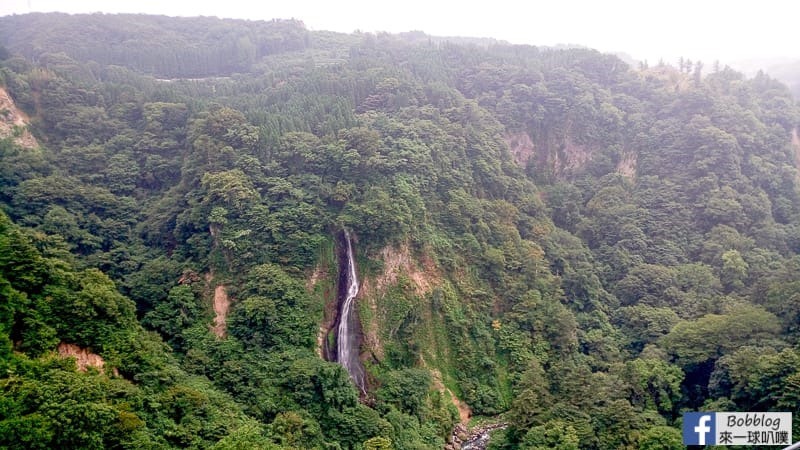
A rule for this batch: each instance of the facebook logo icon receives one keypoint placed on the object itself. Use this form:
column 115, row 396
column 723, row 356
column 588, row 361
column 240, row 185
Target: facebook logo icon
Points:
column 699, row 428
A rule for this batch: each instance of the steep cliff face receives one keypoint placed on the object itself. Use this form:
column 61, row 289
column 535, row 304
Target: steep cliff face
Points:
column 521, row 147
column 627, row 165
column 395, row 311
column 570, row 158
column 14, row 122
column 348, row 329
column 401, row 323
column 401, row 272
column 561, row 157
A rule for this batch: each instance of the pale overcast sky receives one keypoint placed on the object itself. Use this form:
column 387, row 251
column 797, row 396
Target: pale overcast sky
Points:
column 697, row 29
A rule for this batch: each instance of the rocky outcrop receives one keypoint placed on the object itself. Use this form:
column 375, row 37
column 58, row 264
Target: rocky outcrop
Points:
column 83, row 357
column 460, row 435
column 475, row 439
column 521, row 147
column 627, row 165
column 571, row 159
column 398, row 261
column 559, row 155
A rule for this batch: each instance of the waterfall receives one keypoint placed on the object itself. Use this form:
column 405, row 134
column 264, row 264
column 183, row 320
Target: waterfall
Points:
column 347, row 336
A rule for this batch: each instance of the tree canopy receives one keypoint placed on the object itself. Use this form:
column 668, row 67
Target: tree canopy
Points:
column 546, row 237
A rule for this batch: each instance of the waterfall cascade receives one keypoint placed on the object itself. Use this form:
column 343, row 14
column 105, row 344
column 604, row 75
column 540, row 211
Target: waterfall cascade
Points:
column 347, row 349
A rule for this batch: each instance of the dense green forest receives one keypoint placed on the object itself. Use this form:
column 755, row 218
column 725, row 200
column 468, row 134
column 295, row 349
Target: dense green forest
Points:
column 546, row 238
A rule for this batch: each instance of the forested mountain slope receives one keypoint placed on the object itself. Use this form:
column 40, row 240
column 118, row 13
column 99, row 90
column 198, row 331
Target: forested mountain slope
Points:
column 544, row 237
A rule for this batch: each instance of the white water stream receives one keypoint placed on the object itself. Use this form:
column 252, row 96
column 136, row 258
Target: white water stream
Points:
column 347, row 351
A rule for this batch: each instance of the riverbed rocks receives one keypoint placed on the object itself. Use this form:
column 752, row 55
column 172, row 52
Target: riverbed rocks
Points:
column 475, row 439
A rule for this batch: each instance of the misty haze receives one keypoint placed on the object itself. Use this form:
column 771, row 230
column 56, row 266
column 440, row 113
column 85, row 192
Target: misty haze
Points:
column 507, row 231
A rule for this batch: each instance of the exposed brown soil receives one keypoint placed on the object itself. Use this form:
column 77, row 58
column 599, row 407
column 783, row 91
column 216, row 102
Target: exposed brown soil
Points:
column 464, row 411
column 398, row 261
column 627, row 165
column 221, row 302
column 563, row 156
column 14, row 121
column 521, row 147
column 221, row 306
column 189, row 277
column 83, row 357
column 575, row 157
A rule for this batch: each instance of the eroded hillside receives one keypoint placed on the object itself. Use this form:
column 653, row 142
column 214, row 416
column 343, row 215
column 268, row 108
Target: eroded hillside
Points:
column 14, row 122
